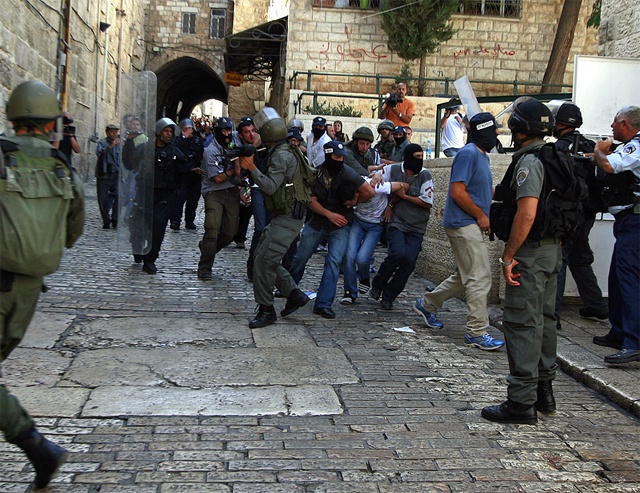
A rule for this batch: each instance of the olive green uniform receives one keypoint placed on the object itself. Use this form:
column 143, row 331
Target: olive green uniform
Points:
column 529, row 322
column 279, row 233
column 20, row 291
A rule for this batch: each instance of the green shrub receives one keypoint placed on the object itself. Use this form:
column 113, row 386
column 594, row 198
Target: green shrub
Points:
column 325, row 108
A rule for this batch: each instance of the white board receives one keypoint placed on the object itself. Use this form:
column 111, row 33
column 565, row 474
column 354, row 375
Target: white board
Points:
column 601, row 86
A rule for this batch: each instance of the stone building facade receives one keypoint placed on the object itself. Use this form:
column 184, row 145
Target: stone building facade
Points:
column 351, row 40
column 619, row 34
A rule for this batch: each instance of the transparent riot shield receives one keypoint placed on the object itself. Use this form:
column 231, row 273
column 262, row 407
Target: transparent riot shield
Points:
column 137, row 111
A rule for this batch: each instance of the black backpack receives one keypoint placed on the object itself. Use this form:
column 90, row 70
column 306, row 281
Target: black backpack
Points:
column 561, row 203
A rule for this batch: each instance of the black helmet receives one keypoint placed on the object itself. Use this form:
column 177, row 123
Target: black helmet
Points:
column 531, row 117
column 570, row 115
column 388, row 124
column 363, row 133
column 33, row 100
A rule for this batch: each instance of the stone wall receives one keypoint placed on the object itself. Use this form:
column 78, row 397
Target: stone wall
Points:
column 29, row 50
column 351, row 40
column 620, row 29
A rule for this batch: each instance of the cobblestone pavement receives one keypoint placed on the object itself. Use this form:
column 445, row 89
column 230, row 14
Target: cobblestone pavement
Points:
column 410, row 402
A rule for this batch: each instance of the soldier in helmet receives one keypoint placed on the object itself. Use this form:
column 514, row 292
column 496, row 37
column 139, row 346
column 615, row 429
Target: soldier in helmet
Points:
column 268, row 271
column 384, row 146
column 530, row 269
column 32, row 247
column 358, row 156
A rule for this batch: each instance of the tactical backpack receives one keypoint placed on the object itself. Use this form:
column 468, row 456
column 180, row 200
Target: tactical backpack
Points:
column 36, row 193
column 561, row 202
column 296, row 193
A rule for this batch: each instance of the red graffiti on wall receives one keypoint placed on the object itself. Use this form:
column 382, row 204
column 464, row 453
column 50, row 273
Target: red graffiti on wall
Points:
column 495, row 52
column 346, row 52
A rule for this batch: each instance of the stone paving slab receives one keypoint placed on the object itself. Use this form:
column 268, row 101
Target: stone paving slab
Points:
column 222, row 401
column 407, row 418
column 196, row 367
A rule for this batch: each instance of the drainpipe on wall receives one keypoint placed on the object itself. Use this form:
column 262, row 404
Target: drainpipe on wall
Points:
column 119, row 72
column 64, row 55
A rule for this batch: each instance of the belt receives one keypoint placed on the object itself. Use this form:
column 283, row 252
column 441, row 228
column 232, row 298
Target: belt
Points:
column 543, row 241
column 626, row 212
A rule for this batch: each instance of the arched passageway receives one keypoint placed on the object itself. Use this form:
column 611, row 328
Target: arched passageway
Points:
column 187, row 81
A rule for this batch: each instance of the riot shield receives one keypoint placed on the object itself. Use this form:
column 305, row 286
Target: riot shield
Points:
column 137, row 111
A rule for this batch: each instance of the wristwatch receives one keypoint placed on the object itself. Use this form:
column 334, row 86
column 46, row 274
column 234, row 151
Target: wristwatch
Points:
column 505, row 264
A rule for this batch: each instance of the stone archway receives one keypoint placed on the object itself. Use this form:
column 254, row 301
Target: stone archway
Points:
column 187, row 81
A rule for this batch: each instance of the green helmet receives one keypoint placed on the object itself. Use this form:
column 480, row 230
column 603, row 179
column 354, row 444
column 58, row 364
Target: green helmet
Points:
column 388, row 124
column 272, row 126
column 33, row 100
column 363, row 133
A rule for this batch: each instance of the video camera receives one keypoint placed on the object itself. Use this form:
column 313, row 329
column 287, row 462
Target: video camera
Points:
column 392, row 100
column 233, row 153
column 69, row 130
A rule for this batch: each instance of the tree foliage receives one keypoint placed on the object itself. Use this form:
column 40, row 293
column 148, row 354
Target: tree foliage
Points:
column 416, row 28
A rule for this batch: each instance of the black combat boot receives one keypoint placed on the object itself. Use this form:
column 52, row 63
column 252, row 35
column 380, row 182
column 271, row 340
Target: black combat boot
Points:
column 296, row 299
column 45, row 456
column 511, row 412
column 149, row 267
column 546, row 403
column 266, row 316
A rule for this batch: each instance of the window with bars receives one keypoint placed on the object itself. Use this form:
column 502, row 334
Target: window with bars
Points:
column 217, row 23
column 188, row 23
column 498, row 8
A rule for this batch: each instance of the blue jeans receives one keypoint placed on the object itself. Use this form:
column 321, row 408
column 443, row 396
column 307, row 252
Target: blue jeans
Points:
column 363, row 239
column 450, row 152
column 261, row 218
column 624, row 282
column 402, row 255
column 337, row 246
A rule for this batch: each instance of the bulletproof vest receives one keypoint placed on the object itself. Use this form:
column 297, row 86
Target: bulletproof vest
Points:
column 619, row 188
column 192, row 148
column 166, row 172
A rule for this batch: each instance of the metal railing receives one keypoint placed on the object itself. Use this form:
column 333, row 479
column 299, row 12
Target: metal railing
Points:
column 446, row 82
column 315, row 94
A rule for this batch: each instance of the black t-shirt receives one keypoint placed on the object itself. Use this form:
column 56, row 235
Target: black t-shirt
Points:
column 326, row 190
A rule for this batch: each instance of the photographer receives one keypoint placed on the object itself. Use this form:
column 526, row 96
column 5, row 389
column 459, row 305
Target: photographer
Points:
column 69, row 143
column 221, row 197
column 398, row 108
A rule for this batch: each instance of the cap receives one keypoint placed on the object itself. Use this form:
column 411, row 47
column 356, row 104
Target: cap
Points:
column 399, row 130
column 334, row 147
column 245, row 121
column 318, row 120
column 112, row 126
column 480, row 121
column 224, row 122
column 294, row 133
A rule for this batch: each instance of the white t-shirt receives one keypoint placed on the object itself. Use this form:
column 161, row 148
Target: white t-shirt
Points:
column 372, row 210
column 315, row 150
column 453, row 133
